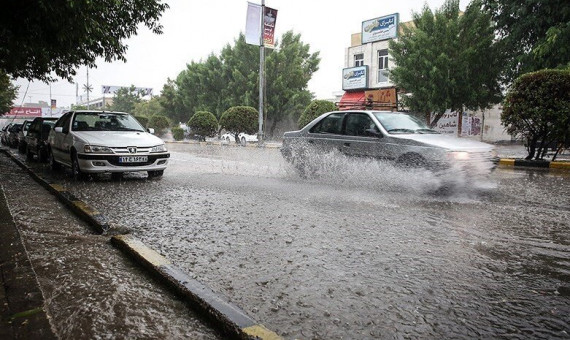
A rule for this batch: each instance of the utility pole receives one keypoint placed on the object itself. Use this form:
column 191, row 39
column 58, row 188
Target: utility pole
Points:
column 87, row 88
column 261, row 73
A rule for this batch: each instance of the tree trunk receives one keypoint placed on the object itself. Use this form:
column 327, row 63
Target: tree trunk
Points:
column 531, row 148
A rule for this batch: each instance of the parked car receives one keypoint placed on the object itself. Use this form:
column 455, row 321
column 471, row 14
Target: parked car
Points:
column 242, row 137
column 100, row 141
column 22, row 136
column 36, row 139
column 393, row 136
column 13, row 132
column 4, row 134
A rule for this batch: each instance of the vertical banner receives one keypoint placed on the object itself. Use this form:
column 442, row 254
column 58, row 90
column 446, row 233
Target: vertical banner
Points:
column 269, row 18
column 53, row 103
column 253, row 24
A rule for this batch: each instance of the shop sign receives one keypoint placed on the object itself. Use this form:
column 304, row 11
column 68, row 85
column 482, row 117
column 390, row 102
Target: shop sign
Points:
column 354, row 78
column 382, row 28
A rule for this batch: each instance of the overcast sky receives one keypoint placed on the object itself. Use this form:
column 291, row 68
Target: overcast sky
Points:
column 193, row 29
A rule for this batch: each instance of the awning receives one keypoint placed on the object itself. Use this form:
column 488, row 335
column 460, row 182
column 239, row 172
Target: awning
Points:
column 352, row 100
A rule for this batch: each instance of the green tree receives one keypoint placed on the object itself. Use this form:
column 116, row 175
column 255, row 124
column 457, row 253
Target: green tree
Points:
column 143, row 120
column 171, row 100
column 33, row 43
column 159, row 122
column 148, row 107
column 233, row 79
column 203, row 124
column 126, row 98
column 537, row 108
column 289, row 70
column 315, row 109
column 239, row 119
column 78, row 107
column 447, row 60
column 533, row 35
column 7, row 93
column 177, row 133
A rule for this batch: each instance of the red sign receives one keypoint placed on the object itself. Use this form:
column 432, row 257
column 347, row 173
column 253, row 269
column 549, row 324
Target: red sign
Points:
column 269, row 18
column 25, row 112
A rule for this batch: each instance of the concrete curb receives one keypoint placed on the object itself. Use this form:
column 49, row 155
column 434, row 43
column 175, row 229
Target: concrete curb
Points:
column 232, row 320
column 522, row 163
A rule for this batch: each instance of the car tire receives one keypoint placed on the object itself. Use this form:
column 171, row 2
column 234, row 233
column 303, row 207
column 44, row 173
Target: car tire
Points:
column 54, row 165
column 76, row 172
column 155, row 173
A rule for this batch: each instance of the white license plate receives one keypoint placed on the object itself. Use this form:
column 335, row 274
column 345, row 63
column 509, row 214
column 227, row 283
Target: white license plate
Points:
column 133, row 159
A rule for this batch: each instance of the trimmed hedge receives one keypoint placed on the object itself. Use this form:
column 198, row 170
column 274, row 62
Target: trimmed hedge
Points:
column 177, row 133
column 159, row 123
column 143, row 120
column 204, row 124
column 240, row 119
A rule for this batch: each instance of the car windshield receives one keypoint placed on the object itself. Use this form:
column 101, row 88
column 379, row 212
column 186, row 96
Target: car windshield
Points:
column 105, row 121
column 395, row 122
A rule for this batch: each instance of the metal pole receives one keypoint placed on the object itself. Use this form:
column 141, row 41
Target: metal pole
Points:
column 87, row 88
column 261, row 74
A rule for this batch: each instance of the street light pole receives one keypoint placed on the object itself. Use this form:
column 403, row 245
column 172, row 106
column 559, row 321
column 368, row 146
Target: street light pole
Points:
column 261, row 73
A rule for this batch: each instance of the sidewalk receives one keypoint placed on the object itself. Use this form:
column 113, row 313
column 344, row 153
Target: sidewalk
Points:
column 514, row 155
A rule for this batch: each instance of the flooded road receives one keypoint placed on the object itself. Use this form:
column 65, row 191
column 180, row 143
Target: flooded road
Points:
column 363, row 251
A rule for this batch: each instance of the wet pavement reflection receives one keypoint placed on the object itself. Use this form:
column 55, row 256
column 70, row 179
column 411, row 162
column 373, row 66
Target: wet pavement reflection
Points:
column 362, row 251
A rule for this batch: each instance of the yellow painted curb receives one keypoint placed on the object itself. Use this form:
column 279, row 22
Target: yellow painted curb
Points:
column 560, row 165
column 145, row 252
column 507, row 161
column 57, row 187
column 260, row 332
column 85, row 208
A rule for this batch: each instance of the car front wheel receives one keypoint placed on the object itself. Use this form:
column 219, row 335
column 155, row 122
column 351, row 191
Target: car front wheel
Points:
column 75, row 169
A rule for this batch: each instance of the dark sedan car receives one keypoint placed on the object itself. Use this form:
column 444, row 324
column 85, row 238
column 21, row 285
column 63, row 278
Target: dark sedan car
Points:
column 22, row 136
column 4, row 134
column 13, row 133
column 36, row 139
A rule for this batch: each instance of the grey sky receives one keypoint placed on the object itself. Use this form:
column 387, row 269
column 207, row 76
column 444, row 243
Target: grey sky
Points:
column 195, row 29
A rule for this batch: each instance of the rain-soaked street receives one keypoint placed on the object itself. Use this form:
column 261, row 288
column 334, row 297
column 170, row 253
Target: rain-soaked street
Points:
column 362, row 251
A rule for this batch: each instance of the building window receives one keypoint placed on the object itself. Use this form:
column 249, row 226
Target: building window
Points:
column 359, row 60
column 382, row 66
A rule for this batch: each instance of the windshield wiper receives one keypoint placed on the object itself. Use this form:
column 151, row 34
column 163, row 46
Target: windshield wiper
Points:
column 426, row 131
column 402, row 130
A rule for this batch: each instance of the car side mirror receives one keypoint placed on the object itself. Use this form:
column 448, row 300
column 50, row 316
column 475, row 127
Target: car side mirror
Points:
column 150, row 130
column 373, row 133
column 58, row 129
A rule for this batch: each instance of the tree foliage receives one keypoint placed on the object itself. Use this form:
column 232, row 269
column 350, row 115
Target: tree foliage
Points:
column 447, row 60
column 204, row 124
column 148, row 107
column 537, row 108
column 8, row 93
column 239, row 119
column 232, row 79
column 171, row 102
column 143, row 120
column 159, row 123
column 126, row 98
column 315, row 109
column 38, row 37
column 177, row 133
column 533, row 35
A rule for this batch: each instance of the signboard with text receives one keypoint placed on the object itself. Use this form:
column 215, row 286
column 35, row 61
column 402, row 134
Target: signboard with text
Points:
column 448, row 123
column 382, row 28
column 355, row 78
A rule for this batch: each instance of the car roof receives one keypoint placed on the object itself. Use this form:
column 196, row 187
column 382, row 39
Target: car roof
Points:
column 99, row 111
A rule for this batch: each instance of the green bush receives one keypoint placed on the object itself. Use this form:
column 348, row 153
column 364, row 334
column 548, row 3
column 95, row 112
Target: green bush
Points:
column 315, row 109
column 537, row 108
column 159, row 123
column 240, row 119
column 178, row 133
column 203, row 124
column 143, row 120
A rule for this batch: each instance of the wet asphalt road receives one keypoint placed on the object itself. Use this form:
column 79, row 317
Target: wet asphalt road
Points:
column 363, row 251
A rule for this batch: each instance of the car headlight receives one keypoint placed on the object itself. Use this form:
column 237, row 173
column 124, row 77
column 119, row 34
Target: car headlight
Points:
column 97, row 149
column 458, row 155
column 159, row 148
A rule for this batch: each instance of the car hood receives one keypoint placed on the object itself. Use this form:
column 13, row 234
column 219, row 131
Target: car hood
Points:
column 447, row 142
column 119, row 138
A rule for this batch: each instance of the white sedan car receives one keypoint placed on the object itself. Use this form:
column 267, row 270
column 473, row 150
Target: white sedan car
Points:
column 242, row 137
column 100, row 141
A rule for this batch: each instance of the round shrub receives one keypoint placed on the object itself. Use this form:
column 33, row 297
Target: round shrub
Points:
column 178, row 133
column 315, row 109
column 240, row 119
column 204, row 124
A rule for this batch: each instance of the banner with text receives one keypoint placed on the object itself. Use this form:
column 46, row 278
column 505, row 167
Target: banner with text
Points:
column 269, row 19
